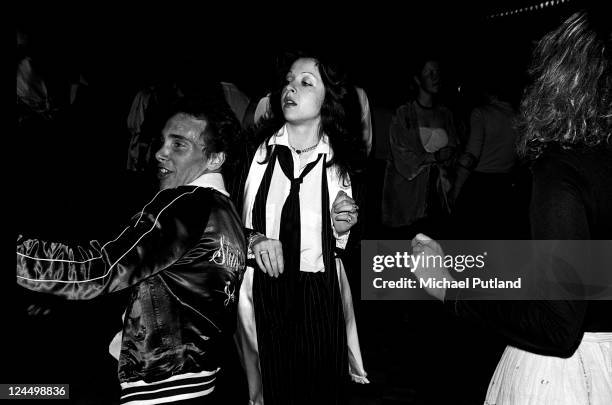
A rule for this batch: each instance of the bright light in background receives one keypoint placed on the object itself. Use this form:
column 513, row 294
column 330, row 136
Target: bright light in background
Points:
column 533, row 7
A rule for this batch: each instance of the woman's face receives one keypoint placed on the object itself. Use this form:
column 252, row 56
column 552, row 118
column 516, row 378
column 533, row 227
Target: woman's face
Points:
column 429, row 79
column 304, row 92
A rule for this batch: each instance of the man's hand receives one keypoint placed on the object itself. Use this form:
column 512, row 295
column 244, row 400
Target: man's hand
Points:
column 344, row 212
column 269, row 255
column 422, row 244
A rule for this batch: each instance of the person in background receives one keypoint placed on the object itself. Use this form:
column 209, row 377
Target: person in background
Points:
column 483, row 189
column 559, row 350
column 422, row 141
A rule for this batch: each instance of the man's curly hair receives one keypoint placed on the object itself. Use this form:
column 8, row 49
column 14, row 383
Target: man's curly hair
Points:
column 569, row 102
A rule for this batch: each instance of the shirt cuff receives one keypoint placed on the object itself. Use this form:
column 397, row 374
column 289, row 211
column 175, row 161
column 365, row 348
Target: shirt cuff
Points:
column 252, row 237
column 341, row 240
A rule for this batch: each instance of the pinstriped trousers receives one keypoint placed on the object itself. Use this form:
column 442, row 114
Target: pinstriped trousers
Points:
column 303, row 356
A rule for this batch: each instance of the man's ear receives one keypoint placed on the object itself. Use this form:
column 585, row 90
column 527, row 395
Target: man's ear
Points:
column 215, row 161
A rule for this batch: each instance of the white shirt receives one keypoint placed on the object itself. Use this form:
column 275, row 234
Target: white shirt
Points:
column 366, row 118
column 311, row 253
column 433, row 139
column 263, row 109
column 212, row 180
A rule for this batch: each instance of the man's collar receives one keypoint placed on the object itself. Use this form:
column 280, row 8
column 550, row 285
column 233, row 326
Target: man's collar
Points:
column 282, row 138
column 212, row 180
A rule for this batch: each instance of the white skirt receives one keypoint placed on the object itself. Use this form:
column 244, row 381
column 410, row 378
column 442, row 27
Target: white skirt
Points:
column 524, row 378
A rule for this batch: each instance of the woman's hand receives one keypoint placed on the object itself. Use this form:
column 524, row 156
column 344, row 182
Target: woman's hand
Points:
column 344, row 212
column 424, row 245
column 269, row 255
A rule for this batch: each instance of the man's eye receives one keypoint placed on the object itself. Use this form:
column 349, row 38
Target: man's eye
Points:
column 177, row 145
column 305, row 83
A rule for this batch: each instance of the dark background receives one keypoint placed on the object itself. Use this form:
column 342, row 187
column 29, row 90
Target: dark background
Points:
column 119, row 50
column 125, row 48
column 72, row 184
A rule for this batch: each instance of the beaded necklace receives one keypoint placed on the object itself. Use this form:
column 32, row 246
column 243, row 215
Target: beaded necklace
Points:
column 308, row 149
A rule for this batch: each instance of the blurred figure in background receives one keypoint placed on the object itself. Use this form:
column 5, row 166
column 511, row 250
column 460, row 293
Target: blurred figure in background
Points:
column 483, row 191
column 422, row 141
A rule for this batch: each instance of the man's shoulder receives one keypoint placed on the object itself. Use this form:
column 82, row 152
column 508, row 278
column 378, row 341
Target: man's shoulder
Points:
column 177, row 193
column 214, row 198
column 222, row 215
column 179, row 196
column 201, row 192
column 189, row 196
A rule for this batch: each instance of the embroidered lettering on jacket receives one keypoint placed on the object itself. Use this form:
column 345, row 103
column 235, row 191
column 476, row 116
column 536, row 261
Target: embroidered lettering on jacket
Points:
column 230, row 293
column 232, row 258
column 228, row 256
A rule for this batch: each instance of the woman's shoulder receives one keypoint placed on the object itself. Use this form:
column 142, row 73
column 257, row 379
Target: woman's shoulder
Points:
column 572, row 165
column 556, row 156
column 555, row 160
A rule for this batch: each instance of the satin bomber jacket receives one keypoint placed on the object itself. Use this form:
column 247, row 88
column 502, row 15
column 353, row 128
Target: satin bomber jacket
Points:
column 183, row 256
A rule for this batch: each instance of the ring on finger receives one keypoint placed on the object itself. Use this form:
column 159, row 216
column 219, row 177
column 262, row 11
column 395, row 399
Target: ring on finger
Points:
column 261, row 253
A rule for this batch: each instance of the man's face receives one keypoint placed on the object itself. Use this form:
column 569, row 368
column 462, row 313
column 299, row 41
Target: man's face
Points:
column 181, row 157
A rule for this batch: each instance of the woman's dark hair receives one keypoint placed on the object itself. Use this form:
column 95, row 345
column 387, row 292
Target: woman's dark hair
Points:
column 569, row 102
column 340, row 114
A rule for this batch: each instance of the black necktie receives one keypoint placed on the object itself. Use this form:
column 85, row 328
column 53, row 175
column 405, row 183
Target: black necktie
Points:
column 290, row 224
column 284, row 306
column 282, row 291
